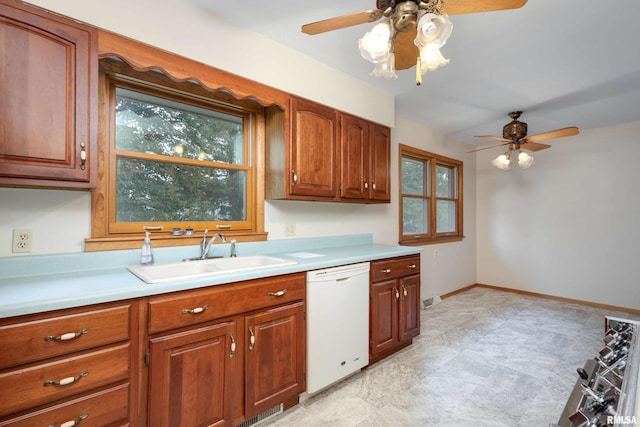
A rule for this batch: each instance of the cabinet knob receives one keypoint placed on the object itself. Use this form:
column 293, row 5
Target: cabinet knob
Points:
column 252, row 338
column 397, row 293
column 196, row 310
column 373, row 186
column 411, row 266
column 83, row 156
column 386, row 271
column 72, row 422
column 68, row 336
column 68, row 380
column 295, row 177
column 233, row 346
column 366, row 184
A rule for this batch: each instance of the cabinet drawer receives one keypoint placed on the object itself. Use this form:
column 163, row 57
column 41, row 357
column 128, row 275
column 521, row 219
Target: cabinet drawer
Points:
column 99, row 409
column 25, row 388
column 33, row 338
column 191, row 307
column 395, row 267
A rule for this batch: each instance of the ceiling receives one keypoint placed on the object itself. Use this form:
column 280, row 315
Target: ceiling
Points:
column 564, row 63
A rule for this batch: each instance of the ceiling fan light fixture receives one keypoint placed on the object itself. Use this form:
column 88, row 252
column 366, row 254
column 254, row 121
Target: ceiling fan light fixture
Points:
column 375, row 45
column 502, row 161
column 433, row 31
column 386, row 68
column 525, row 160
column 430, row 59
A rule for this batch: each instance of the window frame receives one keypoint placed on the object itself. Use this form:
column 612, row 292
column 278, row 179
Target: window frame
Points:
column 432, row 160
column 107, row 237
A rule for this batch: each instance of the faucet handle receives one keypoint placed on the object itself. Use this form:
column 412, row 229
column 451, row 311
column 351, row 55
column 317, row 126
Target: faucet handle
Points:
column 233, row 248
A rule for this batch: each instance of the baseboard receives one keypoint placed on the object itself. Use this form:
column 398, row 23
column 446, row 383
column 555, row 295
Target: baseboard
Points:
column 539, row 295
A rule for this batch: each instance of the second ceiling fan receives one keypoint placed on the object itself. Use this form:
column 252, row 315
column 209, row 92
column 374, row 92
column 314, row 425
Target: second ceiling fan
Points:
column 413, row 30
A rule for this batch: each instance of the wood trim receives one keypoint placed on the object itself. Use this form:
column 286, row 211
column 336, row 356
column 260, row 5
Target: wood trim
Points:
column 144, row 57
column 539, row 295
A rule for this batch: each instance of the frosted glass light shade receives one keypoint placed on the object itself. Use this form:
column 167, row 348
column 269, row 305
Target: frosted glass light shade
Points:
column 525, row 160
column 375, row 46
column 502, row 161
column 386, row 68
column 433, row 30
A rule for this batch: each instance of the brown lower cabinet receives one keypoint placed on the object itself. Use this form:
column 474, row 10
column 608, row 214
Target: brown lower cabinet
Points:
column 395, row 305
column 213, row 371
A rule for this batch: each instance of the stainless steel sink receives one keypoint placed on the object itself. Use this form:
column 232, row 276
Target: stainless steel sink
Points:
column 160, row 273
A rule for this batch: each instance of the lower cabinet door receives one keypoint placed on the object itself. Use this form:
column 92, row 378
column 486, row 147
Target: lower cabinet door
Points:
column 384, row 316
column 190, row 377
column 410, row 307
column 275, row 357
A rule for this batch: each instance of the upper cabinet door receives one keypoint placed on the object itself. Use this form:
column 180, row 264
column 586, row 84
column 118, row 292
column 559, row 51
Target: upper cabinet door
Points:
column 354, row 146
column 48, row 92
column 313, row 152
column 379, row 163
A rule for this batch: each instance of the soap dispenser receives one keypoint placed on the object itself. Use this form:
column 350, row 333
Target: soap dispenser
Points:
column 146, row 257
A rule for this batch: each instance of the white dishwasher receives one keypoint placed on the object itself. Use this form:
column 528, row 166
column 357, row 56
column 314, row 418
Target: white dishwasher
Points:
column 337, row 324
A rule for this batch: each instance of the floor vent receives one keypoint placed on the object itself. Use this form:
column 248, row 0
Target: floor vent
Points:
column 266, row 415
column 431, row 301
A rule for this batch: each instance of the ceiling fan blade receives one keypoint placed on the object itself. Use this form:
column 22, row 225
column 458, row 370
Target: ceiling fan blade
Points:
column 459, row 7
column 342, row 22
column 533, row 146
column 495, row 138
column 552, row 134
column 489, row 146
column 406, row 50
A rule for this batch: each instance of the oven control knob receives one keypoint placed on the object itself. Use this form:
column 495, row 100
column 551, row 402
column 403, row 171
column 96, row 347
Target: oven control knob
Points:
column 583, row 374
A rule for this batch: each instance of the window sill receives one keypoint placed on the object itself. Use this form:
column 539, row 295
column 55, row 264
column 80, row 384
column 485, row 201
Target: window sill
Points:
column 161, row 241
column 423, row 241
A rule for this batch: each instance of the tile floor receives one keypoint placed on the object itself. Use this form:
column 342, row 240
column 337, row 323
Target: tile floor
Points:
column 485, row 358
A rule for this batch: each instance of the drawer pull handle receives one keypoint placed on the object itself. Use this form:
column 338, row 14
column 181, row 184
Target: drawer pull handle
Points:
column 252, row 339
column 67, row 336
column 386, row 271
column 411, row 266
column 295, row 177
column 68, row 380
column 233, row 347
column 278, row 293
column 72, row 422
column 404, row 291
column 397, row 293
column 196, row 310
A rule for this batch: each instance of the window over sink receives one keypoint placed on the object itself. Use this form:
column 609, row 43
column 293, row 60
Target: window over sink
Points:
column 176, row 155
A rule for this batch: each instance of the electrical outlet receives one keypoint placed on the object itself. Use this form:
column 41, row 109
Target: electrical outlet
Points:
column 289, row 229
column 22, row 240
column 435, row 254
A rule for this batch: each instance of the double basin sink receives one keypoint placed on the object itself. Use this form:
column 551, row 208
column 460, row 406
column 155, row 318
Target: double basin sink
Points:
column 160, row 273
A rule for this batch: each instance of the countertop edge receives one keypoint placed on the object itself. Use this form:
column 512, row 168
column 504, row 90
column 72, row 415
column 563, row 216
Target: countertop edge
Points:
column 43, row 293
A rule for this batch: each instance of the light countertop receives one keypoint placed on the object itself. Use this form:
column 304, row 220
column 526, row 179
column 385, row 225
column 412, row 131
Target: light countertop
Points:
column 39, row 283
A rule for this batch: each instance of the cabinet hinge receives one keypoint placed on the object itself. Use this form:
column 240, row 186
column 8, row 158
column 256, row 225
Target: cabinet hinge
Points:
column 147, row 355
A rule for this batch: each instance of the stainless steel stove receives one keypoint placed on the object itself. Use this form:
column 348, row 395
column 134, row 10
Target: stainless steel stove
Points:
column 606, row 392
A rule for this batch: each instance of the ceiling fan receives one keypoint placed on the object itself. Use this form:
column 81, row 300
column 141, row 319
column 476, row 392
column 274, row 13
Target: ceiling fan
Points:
column 514, row 134
column 404, row 17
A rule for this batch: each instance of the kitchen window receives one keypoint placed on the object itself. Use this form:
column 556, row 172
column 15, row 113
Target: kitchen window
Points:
column 177, row 156
column 430, row 197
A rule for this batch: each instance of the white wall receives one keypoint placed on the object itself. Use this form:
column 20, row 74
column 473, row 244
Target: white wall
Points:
column 569, row 225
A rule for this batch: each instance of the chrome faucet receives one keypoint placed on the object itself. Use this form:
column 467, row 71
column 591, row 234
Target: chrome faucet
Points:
column 233, row 249
column 205, row 248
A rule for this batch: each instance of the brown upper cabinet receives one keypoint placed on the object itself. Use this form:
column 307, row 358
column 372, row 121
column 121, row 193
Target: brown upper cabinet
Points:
column 313, row 150
column 330, row 155
column 365, row 150
column 48, row 88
